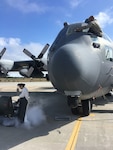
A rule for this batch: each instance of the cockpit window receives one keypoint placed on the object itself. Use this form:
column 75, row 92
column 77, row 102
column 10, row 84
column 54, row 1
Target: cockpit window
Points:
column 79, row 27
column 108, row 52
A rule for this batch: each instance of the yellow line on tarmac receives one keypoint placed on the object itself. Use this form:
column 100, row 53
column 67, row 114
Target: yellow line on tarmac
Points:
column 92, row 115
column 73, row 139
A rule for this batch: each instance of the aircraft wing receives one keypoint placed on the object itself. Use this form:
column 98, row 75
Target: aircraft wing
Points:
column 27, row 68
column 27, row 64
column 30, row 68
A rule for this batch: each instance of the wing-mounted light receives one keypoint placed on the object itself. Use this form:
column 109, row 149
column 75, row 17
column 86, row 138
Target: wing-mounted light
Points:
column 37, row 60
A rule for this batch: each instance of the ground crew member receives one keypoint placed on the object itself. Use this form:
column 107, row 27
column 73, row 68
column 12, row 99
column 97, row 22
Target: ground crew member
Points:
column 23, row 101
column 93, row 26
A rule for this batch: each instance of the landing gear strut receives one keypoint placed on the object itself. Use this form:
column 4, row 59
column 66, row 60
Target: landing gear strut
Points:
column 72, row 101
column 73, row 104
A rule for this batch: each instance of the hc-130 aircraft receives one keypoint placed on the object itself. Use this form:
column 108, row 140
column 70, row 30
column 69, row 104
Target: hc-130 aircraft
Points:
column 80, row 65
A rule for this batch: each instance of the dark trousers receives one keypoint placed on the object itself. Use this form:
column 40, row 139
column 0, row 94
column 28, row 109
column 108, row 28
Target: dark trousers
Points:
column 22, row 109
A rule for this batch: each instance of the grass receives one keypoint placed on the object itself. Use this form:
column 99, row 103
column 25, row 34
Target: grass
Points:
column 7, row 79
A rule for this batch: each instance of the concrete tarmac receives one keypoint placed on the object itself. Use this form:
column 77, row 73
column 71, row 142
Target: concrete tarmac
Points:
column 60, row 130
column 53, row 133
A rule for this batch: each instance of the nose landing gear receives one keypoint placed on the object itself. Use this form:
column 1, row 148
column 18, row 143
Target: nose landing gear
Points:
column 83, row 108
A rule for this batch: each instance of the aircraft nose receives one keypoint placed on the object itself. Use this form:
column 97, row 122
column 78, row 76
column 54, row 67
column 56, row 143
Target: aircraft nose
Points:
column 71, row 66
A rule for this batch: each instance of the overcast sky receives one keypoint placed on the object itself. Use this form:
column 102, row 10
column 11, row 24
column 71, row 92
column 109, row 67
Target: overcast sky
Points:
column 33, row 23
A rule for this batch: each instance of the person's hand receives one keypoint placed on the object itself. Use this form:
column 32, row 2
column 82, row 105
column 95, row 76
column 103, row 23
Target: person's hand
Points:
column 17, row 89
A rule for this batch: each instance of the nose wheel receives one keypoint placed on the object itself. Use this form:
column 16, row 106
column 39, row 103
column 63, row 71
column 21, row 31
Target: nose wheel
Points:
column 77, row 110
column 86, row 107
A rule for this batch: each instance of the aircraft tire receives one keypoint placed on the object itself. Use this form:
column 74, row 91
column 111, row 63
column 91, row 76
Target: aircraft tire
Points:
column 77, row 110
column 91, row 104
column 86, row 106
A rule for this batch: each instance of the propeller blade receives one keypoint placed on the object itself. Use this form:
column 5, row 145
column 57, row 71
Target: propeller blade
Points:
column 2, row 52
column 43, row 51
column 30, row 71
column 4, row 70
column 29, row 54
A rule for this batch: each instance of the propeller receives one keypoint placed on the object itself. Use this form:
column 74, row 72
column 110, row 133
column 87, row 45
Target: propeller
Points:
column 2, row 69
column 37, row 60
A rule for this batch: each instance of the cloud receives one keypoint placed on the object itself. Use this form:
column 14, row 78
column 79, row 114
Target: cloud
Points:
column 26, row 6
column 105, row 18
column 15, row 48
column 74, row 3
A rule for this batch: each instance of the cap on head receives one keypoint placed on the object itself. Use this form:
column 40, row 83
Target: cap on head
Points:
column 65, row 24
column 21, row 84
column 91, row 18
